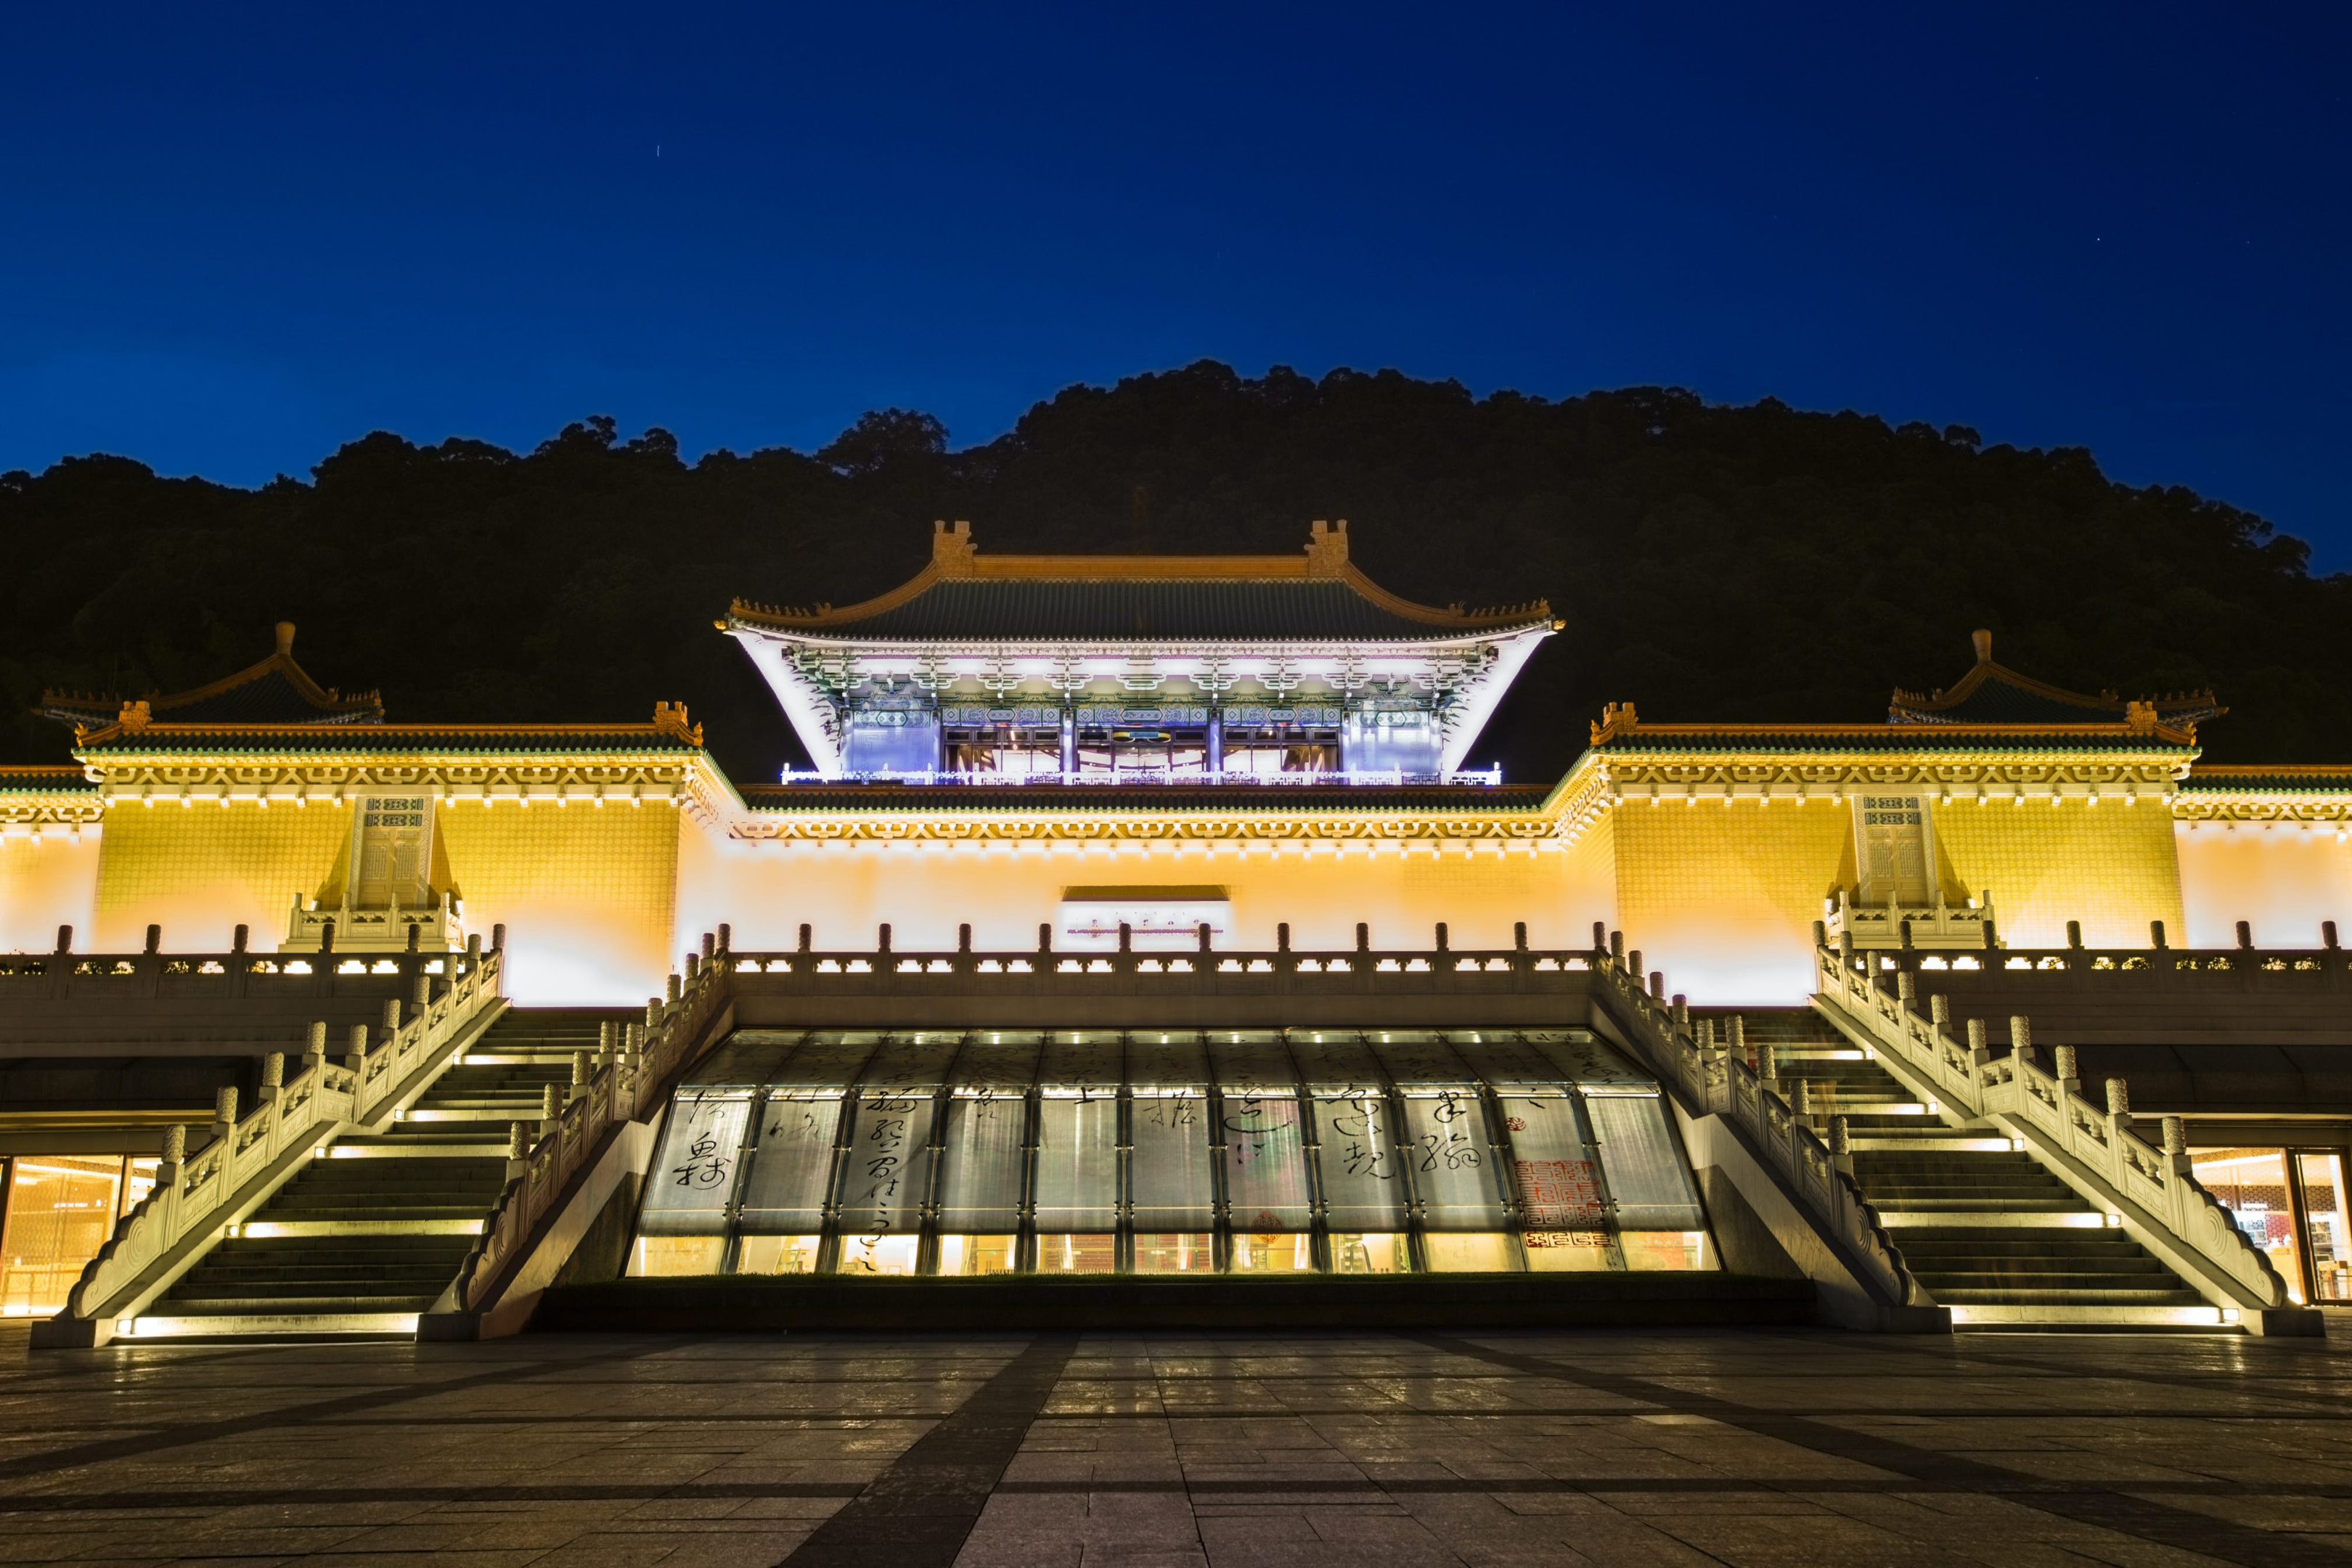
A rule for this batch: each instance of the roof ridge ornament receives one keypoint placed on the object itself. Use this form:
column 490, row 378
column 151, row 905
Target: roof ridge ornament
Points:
column 1616, row 719
column 1326, row 548
column 670, row 719
column 952, row 549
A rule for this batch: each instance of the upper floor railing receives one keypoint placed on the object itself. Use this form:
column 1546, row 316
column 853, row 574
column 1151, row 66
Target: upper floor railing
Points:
column 66, row 975
column 1302, row 778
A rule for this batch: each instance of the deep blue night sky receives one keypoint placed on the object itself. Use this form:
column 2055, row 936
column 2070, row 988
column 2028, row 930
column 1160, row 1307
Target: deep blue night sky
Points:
column 229, row 243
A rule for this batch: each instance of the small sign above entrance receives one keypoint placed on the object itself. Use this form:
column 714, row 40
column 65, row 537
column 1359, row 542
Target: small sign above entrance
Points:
column 1158, row 919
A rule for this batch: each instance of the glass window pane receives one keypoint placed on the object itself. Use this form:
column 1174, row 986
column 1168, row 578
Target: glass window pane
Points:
column 879, row 1254
column 672, row 1254
column 1185, row 1253
column 979, row 1253
column 2331, row 1248
column 1172, row 1162
column 1273, row 1252
column 1363, row 1172
column 2252, row 1184
column 1450, row 1162
column 980, row 1190
column 883, row 1177
column 777, row 1255
column 687, row 1191
column 1558, row 1179
column 1646, row 1177
column 1265, row 1164
column 61, row 1210
column 1066, row 1254
column 1370, row 1252
column 1665, row 1251
column 1078, row 1164
column 1455, row 1252
column 784, row 1192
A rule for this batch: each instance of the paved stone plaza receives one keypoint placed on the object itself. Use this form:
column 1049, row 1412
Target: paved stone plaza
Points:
column 1785, row 1446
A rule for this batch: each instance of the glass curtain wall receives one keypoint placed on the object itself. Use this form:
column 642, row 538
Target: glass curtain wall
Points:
column 1244, row 1152
column 59, row 1211
column 2290, row 1202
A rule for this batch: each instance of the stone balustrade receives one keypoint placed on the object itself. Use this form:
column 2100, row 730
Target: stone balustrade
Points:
column 198, row 1190
column 2149, row 1189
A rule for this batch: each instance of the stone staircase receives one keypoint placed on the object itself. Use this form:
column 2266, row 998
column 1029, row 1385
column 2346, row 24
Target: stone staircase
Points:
column 360, row 1242
column 1990, row 1232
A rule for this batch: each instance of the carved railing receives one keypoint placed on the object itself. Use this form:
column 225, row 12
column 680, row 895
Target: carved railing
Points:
column 2123, row 973
column 1710, row 1079
column 627, row 1086
column 1936, row 925
column 2053, row 1119
column 196, row 1190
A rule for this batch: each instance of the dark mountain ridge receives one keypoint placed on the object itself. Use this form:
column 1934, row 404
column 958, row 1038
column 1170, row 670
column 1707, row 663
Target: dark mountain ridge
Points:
column 1711, row 562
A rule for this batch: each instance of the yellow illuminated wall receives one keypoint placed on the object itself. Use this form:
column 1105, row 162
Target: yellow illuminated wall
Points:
column 2282, row 877
column 765, row 890
column 46, row 884
column 587, row 895
column 200, row 871
column 2109, row 866
column 1724, row 897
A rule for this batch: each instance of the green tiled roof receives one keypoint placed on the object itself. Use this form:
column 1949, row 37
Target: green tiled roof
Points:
column 1235, row 610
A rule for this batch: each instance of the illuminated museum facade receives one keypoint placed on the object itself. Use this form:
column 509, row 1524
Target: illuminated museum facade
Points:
column 1160, row 769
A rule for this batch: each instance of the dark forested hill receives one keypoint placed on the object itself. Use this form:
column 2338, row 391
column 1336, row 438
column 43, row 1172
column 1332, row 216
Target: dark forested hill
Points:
column 1711, row 562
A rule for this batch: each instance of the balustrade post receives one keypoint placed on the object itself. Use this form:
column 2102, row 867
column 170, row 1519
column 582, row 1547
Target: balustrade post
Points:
column 1634, row 967
column 1702, row 1036
column 1617, row 946
column 1991, row 938
column 1681, row 1011
column 273, row 1075
column 1045, row 937
column 174, row 1154
column 1600, row 935
column 1805, row 1106
column 673, row 989
column 963, row 937
column 694, row 966
column 2119, row 1105
column 1363, row 937
column 1519, row 936
column 1939, row 1011
column 2156, row 935
column 391, row 1016
column 2327, row 935
column 1768, row 1064
column 1907, row 990
column 1980, row 1043
column 653, row 1011
column 355, row 1054
column 726, row 937
column 2176, row 1146
column 224, row 1113
column 1845, row 951
column 1657, row 984
column 885, row 937
column 2070, row 1073
column 326, row 945
column 605, row 1033
column 550, row 1108
column 416, row 938
column 1736, row 1033
column 517, row 1149
column 710, row 945
column 1820, row 935
column 420, row 996
column 155, row 939
column 1841, row 1146
column 239, row 938
column 2075, row 935
column 65, row 939
column 1440, row 937
column 2020, row 1037
column 807, row 939
column 579, row 1072
column 1205, row 936
column 498, row 937
column 2246, row 935
column 473, row 951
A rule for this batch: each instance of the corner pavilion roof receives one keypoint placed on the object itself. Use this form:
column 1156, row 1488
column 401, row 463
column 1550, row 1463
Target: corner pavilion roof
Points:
column 276, row 690
column 963, row 595
column 1992, row 693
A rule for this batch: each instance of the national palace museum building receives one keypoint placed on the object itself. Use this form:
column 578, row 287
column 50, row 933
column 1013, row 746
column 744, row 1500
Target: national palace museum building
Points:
column 1145, row 942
